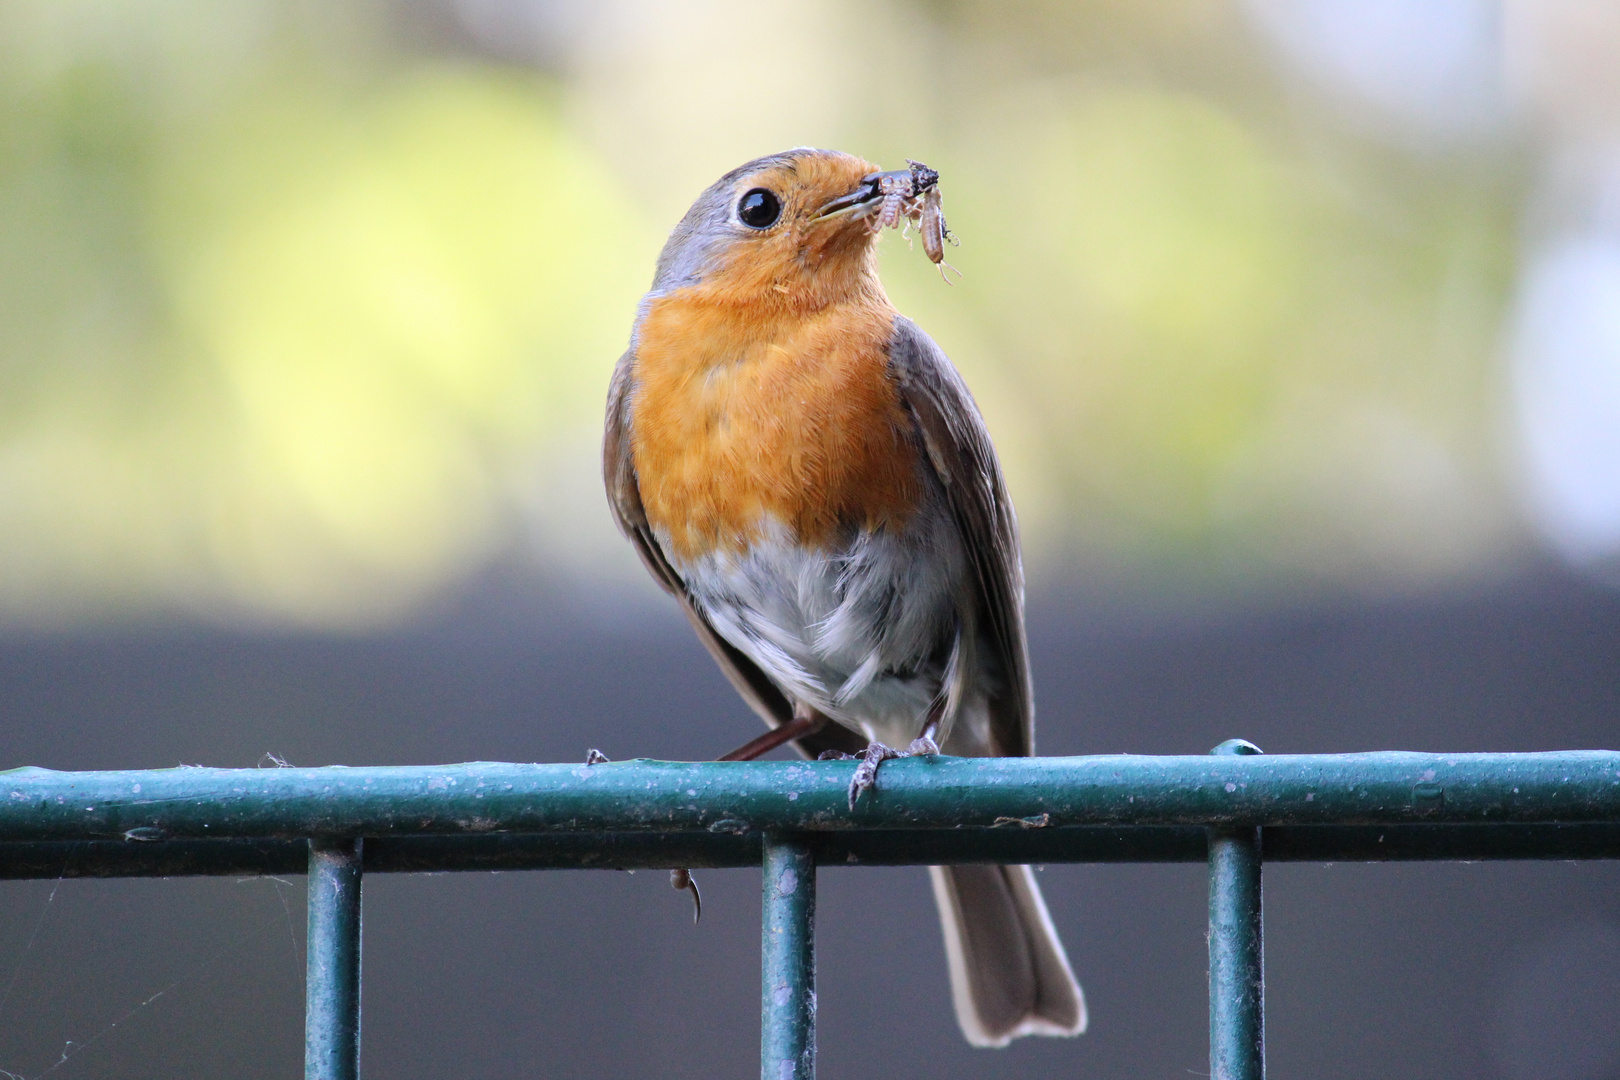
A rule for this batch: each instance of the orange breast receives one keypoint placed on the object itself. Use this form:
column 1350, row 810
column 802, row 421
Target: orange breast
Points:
column 743, row 416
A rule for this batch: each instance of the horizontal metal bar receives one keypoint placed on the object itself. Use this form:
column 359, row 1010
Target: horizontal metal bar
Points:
column 925, row 792
column 643, row 850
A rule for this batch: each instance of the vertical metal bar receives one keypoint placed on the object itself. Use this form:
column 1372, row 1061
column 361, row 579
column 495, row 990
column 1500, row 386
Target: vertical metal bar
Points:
column 1237, row 975
column 332, row 981
column 787, row 1039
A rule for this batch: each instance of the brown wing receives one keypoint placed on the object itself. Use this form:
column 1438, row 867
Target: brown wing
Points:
column 959, row 447
column 624, row 499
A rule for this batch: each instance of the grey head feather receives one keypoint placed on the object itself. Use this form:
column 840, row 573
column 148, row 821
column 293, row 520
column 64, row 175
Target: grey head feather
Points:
column 711, row 224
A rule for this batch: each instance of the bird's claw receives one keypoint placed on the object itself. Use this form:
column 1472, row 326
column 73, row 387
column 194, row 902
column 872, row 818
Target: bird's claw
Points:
column 867, row 771
column 593, row 756
column 875, row 754
column 682, row 881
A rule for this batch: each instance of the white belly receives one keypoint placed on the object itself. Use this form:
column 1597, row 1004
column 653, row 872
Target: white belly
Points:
column 862, row 633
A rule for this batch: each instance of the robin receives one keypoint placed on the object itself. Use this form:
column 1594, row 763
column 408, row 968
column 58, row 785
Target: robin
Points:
column 806, row 472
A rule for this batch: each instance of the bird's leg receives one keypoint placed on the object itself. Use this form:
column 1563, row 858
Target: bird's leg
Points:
column 806, row 721
column 926, row 741
column 925, row 744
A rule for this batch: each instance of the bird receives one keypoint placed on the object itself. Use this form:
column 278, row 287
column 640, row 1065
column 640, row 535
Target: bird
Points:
column 807, row 473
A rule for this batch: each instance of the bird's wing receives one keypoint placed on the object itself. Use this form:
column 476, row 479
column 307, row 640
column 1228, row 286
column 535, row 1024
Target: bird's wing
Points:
column 624, row 499
column 959, row 449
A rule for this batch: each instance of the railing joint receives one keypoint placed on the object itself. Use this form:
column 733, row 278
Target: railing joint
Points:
column 1237, row 977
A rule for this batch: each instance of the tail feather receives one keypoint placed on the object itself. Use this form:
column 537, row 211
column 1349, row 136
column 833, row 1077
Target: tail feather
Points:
column 1009, row 974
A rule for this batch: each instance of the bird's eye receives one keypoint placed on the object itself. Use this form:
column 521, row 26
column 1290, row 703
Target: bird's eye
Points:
column 759, row 209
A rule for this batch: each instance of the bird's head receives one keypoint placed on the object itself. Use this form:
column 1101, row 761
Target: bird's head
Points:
column 797, row 227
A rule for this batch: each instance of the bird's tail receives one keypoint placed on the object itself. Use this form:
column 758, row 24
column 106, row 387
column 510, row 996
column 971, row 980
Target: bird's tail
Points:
column 1009, row 975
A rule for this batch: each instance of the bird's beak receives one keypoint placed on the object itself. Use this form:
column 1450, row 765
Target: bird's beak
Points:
column 866, row 195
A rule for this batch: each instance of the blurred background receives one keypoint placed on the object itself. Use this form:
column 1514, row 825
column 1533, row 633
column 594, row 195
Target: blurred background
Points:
column 1296, row 323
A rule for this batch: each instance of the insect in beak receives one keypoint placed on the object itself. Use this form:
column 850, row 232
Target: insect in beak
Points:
column 895, row 196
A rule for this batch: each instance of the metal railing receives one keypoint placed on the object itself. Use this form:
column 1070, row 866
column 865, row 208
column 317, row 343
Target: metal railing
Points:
column 1235, row 810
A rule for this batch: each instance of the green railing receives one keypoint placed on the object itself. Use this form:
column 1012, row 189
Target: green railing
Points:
column 1234, row 810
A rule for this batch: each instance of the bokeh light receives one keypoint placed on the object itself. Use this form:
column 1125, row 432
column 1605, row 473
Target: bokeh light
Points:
column 307, row 311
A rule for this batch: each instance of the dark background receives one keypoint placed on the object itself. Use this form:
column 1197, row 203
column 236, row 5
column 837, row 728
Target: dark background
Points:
column 1506, row 970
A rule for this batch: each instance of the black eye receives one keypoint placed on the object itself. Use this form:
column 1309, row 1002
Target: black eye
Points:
column 759, row 209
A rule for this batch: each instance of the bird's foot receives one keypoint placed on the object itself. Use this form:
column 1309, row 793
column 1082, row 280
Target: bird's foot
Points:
column 875, row 755
column 682, row 881
column 593, row 756
column 866, row 773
